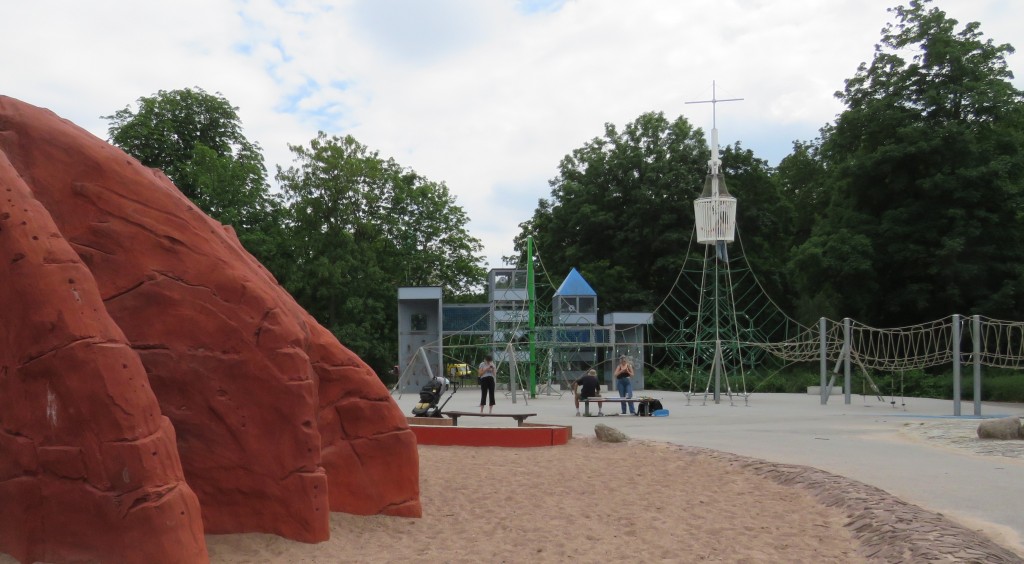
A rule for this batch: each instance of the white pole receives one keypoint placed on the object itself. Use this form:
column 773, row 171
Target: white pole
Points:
column 426, row 363
column 512, row 373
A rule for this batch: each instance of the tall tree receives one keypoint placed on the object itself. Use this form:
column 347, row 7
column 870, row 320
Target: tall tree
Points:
column 800, row 178
column 925, row 167
column 196, row 139
column 764, row 217
column 360, row 226
column 621, row 209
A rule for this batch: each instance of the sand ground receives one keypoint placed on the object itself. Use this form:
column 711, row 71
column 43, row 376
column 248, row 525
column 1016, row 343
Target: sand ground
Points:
column 555, row 504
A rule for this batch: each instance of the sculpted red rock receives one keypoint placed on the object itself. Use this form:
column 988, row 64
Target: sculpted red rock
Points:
column 89, row 469
column 277, row 423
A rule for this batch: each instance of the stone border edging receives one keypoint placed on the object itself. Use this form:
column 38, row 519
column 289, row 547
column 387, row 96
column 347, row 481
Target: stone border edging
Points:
column 887, row 528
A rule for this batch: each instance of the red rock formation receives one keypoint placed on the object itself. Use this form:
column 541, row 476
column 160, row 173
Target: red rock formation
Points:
column 276, row 421
column 89, row 469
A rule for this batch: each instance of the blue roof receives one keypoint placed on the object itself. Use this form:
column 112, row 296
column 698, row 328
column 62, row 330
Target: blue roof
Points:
column 575, row 285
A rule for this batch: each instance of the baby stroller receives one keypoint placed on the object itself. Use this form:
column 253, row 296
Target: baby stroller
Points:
column 430, row 395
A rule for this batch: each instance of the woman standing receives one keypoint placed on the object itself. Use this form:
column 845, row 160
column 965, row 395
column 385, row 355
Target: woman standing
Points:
column 624, row 382
column 486, row 372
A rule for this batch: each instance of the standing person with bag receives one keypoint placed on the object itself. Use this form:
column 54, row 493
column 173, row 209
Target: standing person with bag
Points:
column 624, row 382
column 486, row 374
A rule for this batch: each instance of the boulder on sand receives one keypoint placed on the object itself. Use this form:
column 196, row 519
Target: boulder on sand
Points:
column 1002, row 428
column 608, row 434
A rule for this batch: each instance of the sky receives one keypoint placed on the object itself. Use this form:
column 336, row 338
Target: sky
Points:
column 486, row 96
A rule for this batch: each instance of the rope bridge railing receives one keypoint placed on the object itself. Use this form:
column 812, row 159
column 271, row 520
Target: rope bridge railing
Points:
column 955, row 341
column 914, row 347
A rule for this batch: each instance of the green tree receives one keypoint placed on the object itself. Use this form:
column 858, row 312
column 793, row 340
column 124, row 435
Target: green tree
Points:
column 924, row 168
column 361, row 226
column 621, row 210
column 764, row 217
column 196, row 139
column 800, row 180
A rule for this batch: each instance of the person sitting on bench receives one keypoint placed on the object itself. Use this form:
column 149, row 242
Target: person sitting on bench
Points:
column 588, row 387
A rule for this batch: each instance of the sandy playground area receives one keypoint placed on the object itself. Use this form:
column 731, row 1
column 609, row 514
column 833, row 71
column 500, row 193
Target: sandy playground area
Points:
column 637, row 501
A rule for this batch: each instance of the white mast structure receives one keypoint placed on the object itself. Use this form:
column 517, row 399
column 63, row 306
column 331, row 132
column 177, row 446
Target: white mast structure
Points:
column 715, row 221
column 715, row 210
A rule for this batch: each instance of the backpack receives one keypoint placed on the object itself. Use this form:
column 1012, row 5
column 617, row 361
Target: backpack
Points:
column 647, row 406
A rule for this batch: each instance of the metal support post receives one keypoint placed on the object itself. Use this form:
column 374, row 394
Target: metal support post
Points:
column 847, row 345
column 824, row 360
column 513, row 374
column 426, row 363
column 717, row 367
column 976, row 337
column 531, row 296
column 955, row 346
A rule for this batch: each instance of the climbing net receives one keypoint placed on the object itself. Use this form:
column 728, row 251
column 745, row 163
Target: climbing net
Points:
column 719, row 312
column 718, row 325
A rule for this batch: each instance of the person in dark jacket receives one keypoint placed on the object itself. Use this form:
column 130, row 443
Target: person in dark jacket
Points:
column 587, row 387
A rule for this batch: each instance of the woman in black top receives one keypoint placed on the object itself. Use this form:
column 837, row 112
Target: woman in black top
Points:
column 486, row 374
column 624, row 382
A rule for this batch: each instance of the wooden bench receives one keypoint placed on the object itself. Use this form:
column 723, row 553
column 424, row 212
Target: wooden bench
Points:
column 519, row 417
column 601, row 400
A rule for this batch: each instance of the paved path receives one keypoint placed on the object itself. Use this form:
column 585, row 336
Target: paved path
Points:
column 918, row 451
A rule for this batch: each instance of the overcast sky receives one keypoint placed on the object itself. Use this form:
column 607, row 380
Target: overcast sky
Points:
column 484, row 95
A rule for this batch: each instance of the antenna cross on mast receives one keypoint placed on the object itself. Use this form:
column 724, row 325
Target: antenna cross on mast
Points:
column 714, row 102
column 714, row 164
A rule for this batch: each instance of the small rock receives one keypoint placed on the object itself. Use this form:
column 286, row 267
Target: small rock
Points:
column 1004, row 428
column 609, row 435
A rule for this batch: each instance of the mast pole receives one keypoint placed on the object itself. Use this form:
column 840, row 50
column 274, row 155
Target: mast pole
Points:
column 715, row 164
column 531, row 297
column 718, row 237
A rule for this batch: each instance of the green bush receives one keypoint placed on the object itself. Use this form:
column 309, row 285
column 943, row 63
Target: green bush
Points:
column 670, row 380
column 997, row 384
column 1000, row 385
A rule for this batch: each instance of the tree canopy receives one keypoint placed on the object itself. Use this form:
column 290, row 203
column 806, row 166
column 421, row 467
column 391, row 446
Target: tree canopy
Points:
column 359, row 227
column 621, row 209
column 196, row 139
column 923, row 170
column 347, row 229
column 907, row 208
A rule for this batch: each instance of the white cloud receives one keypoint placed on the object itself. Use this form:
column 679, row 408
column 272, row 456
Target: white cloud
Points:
column 485, row 96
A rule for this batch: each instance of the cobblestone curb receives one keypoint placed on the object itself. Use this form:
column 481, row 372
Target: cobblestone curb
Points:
column 887, row 528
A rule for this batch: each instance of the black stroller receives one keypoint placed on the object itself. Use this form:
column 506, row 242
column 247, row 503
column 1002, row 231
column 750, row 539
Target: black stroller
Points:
column 430, row 396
